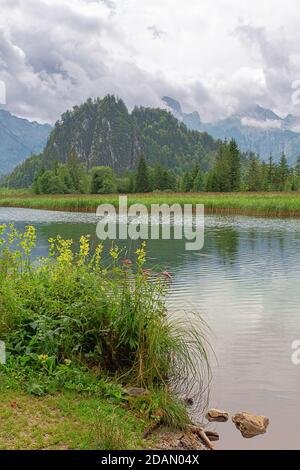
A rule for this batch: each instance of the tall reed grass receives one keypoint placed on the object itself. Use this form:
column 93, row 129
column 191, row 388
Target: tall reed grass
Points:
column 261, row 204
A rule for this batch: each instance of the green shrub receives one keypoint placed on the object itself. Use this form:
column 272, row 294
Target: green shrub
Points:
column 70, row 314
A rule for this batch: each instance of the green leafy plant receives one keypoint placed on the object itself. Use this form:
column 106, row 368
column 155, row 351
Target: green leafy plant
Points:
column 71, row 322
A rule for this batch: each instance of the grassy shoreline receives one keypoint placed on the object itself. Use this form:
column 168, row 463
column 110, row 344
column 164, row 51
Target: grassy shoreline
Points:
column 252, row 204
column 92, row 358
column 65, row 421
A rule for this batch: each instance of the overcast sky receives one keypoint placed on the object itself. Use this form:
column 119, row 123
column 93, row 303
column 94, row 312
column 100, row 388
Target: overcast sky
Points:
column 215, row 56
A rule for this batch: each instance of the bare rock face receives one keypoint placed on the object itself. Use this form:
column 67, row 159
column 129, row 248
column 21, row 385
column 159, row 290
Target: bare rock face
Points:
column 217, row 415
column 250, row 425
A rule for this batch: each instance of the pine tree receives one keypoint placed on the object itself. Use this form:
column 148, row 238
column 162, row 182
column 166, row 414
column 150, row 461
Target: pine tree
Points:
column 159, row 178
column 271, row 172
column 253, row 174
column 142, row 177
column 187, row 182
column 171, row 180
column 73, row 164
column 221, row 180
column 282, row 172
column 297, row 167
column 131, row 183
column 195, row 171
column 264, row 176
column 198, row 182
column 234, row 166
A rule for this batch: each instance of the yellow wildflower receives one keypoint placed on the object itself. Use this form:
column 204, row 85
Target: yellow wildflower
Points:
column 43, row 357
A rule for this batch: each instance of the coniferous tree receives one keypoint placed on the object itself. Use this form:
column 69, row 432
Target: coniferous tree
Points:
column 186, row 182
column 131, row 184
column 171, row 180
column 271, row 172
column 282, row 172
column 264, row 177
column 159, row 175
column 142, row 184
column 198, row 182
column 297, row 167
column 195, row 171
column 253, row 174
column 234, row 166
column 74, row 168
column 221, row 180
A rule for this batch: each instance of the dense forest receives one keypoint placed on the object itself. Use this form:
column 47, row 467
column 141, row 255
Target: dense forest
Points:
column 100, row 147
column 230, row 172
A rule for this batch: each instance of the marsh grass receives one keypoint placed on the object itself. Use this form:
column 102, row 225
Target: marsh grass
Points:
column 15, row 192
column 259, row 204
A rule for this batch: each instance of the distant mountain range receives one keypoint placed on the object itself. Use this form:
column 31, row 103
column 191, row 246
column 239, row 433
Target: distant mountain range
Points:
column 257, row 130
column 103, row 132
column 19, row 139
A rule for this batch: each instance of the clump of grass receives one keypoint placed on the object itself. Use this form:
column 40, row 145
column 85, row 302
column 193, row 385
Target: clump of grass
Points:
column 162, row 408
column 109, row 433
column 70, row 313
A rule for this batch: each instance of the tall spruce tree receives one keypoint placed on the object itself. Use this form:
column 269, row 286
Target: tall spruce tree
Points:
column 271, row 172
column 234, row 166
column 187, row 182
column 221, row 180
column 297, row 167
column 253, row 174
column 198, row 182
column 73, row 164
column 282, row 172
column 142, row 184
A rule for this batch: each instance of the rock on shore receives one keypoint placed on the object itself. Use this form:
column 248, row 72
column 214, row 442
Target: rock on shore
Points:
column 250, row 425
column 220, row 416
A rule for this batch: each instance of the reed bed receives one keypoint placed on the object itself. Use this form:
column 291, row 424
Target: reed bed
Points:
column 256, row 204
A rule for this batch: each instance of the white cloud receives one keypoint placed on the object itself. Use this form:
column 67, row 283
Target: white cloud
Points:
column 264, row 125
column 216, row 57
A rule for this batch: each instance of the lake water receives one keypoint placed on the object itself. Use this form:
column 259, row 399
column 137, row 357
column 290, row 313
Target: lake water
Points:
column 246, row 284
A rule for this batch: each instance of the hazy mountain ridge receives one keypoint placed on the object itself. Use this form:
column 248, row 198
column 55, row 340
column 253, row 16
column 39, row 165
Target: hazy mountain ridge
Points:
column 19, row 138
column 256, row 129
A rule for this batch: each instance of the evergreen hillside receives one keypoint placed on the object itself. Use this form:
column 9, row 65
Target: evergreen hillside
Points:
column 104, row 133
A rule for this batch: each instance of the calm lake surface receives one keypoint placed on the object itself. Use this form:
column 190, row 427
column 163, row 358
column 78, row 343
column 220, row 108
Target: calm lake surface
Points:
column 245, row 283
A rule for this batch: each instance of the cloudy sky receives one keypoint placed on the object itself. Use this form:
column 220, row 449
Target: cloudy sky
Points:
column 214, row 56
